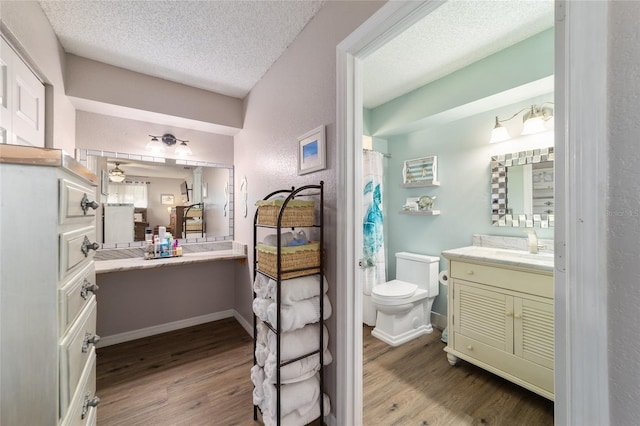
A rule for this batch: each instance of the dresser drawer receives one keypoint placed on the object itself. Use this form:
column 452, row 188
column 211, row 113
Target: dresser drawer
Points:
column 74, row 295
column 83, row 408
column 76, row 202
column 511, row 279
column 75, row 249
column 75, row 350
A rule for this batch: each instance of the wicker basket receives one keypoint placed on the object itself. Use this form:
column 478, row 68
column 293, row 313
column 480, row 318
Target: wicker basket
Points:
column 298, row 213
column 306, row 256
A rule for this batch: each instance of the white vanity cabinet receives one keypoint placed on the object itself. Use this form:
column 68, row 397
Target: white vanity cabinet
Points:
column 47, row 288
column 501, row 319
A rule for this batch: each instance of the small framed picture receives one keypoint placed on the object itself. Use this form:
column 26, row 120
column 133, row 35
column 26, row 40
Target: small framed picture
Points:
column 312, row 151
column 167, row 199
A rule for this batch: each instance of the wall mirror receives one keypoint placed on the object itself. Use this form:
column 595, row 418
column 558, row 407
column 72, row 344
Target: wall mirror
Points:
column 169, row 186
column 522, row 187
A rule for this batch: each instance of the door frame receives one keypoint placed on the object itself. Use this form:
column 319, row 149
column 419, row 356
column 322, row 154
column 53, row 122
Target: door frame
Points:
column 581, row 368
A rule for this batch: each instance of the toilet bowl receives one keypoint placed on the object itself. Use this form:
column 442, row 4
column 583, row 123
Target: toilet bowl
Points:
column 404, row 304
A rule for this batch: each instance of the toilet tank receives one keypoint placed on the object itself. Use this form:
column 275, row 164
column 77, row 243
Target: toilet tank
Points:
column 419, row 269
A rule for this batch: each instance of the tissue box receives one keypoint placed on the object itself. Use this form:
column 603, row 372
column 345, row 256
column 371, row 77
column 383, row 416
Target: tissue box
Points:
column 298, row 213
column 298, row 257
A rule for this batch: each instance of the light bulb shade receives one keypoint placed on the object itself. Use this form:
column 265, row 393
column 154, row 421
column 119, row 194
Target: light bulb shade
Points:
column 116, row 175
column 534, row 125
column 183, row 150
column 155, row 146
column 499, row 134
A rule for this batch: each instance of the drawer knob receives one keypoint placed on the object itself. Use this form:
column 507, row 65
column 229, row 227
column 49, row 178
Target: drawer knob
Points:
column 508, row 313
column 469, row 347
column 470, row 272
column 89, row 402
column 85, row 204
column 89, row 339
column 518, row 316
column 88, row 287
column 88, row 245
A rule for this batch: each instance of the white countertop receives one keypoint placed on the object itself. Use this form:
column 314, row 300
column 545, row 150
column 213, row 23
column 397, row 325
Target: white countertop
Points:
column 120, row 265
column 507, row 257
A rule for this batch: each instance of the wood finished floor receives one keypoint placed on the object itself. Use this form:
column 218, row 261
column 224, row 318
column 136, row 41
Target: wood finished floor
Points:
column 200, row 376
column 414, row 384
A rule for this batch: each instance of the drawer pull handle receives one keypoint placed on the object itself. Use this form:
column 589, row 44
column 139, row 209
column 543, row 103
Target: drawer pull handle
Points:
column 518, row 316
column 88, row 245
column 89, row 402
column 85, row 204
column 89, row 339
column 508, row 313
column 470, row 272
column 469, row 347
column 88, row 287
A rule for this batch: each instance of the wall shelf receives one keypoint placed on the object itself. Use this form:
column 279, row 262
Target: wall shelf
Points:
column 419, row 184
column 421, row 212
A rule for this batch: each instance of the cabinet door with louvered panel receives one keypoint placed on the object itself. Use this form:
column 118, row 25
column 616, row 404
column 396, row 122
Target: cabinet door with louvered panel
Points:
column 533, row 331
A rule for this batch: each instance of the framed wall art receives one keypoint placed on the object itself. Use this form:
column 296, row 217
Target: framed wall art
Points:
column 312, row 154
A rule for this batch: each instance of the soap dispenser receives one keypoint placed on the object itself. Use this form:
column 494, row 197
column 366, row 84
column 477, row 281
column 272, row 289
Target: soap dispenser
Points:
column 533, row 240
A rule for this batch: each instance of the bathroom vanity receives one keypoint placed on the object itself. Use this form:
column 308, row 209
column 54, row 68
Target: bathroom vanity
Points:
column 500, row 314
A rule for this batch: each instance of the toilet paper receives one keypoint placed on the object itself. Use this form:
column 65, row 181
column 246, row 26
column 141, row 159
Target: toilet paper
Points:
column 444, row 277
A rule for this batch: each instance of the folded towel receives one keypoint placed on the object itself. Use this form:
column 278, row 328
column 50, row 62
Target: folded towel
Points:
column 262, row 351
column 260, row 307
column 295, row 289
column 257, row 377
column 293, row 396
column 272, row 240
column 260, row 286
column 298, row 342
column 293, row 317
column 296, row 371
column 295, row 418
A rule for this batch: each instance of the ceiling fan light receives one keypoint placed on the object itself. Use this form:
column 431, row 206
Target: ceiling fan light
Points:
column 116, row 175
column 183, row 150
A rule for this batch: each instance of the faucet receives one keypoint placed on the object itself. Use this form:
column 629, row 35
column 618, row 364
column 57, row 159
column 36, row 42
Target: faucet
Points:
column 533, row 240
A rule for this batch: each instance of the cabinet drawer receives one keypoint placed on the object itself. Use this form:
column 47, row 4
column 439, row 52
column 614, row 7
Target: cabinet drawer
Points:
column 525, row 282
column 75, row 294
column 81, row 411
column 73, row 249
column 504, row 364
column 75, row 200
column 75, row 351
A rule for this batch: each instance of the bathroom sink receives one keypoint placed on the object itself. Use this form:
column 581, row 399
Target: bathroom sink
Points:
column 508, row 256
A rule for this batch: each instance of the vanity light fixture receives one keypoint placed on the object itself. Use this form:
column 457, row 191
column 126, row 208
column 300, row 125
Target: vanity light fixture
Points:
column 117, row 174
column 157, row 146
column 534, row 122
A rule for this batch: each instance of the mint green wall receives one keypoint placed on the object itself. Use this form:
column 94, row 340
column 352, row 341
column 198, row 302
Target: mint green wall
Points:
column 461, row 144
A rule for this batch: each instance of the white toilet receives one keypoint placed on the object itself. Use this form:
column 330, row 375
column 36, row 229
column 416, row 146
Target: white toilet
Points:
column 404, row 304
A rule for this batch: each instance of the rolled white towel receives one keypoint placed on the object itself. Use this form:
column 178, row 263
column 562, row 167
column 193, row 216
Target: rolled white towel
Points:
column 293, row 396
column 260, row 307
column 295, row 418
column 296, row 371
column 262, row 332
column 260, row 286
column 293, row 317
column 262, row 352
column 296, row 289
column 298, row 342
column 257, row 377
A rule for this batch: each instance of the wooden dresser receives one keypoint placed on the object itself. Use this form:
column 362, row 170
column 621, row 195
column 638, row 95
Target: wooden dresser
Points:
column 48, row 286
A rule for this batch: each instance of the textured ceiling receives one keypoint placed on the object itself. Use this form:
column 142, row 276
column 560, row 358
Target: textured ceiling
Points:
column 221, row 46
column 227, row 46
column 455, row 35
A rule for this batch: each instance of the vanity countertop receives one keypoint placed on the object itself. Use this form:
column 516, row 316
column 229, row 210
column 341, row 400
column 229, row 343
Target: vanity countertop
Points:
column 507, row 257
column 120, row 265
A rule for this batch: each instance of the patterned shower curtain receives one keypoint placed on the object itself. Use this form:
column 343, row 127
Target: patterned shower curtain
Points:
column 374, row 270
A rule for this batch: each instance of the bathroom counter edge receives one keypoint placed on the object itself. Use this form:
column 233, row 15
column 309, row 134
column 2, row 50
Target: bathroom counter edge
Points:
column 121, row 265
column 477, row 254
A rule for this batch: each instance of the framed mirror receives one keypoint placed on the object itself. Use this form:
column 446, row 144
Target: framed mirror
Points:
column 158, row 192
column 522, row 188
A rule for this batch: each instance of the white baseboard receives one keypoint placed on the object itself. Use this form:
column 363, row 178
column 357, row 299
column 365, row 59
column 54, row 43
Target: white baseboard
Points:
column 439, row 321
column 243, row 322
column 170, row 326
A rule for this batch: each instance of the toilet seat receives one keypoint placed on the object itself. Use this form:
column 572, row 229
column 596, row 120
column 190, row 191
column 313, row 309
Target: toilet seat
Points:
column 395, row 290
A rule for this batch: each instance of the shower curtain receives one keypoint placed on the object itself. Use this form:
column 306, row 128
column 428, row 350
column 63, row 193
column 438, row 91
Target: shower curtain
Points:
column 373, row 264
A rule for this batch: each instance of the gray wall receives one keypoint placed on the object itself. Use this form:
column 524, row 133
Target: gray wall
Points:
column 297, row 94
column 623, row 216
